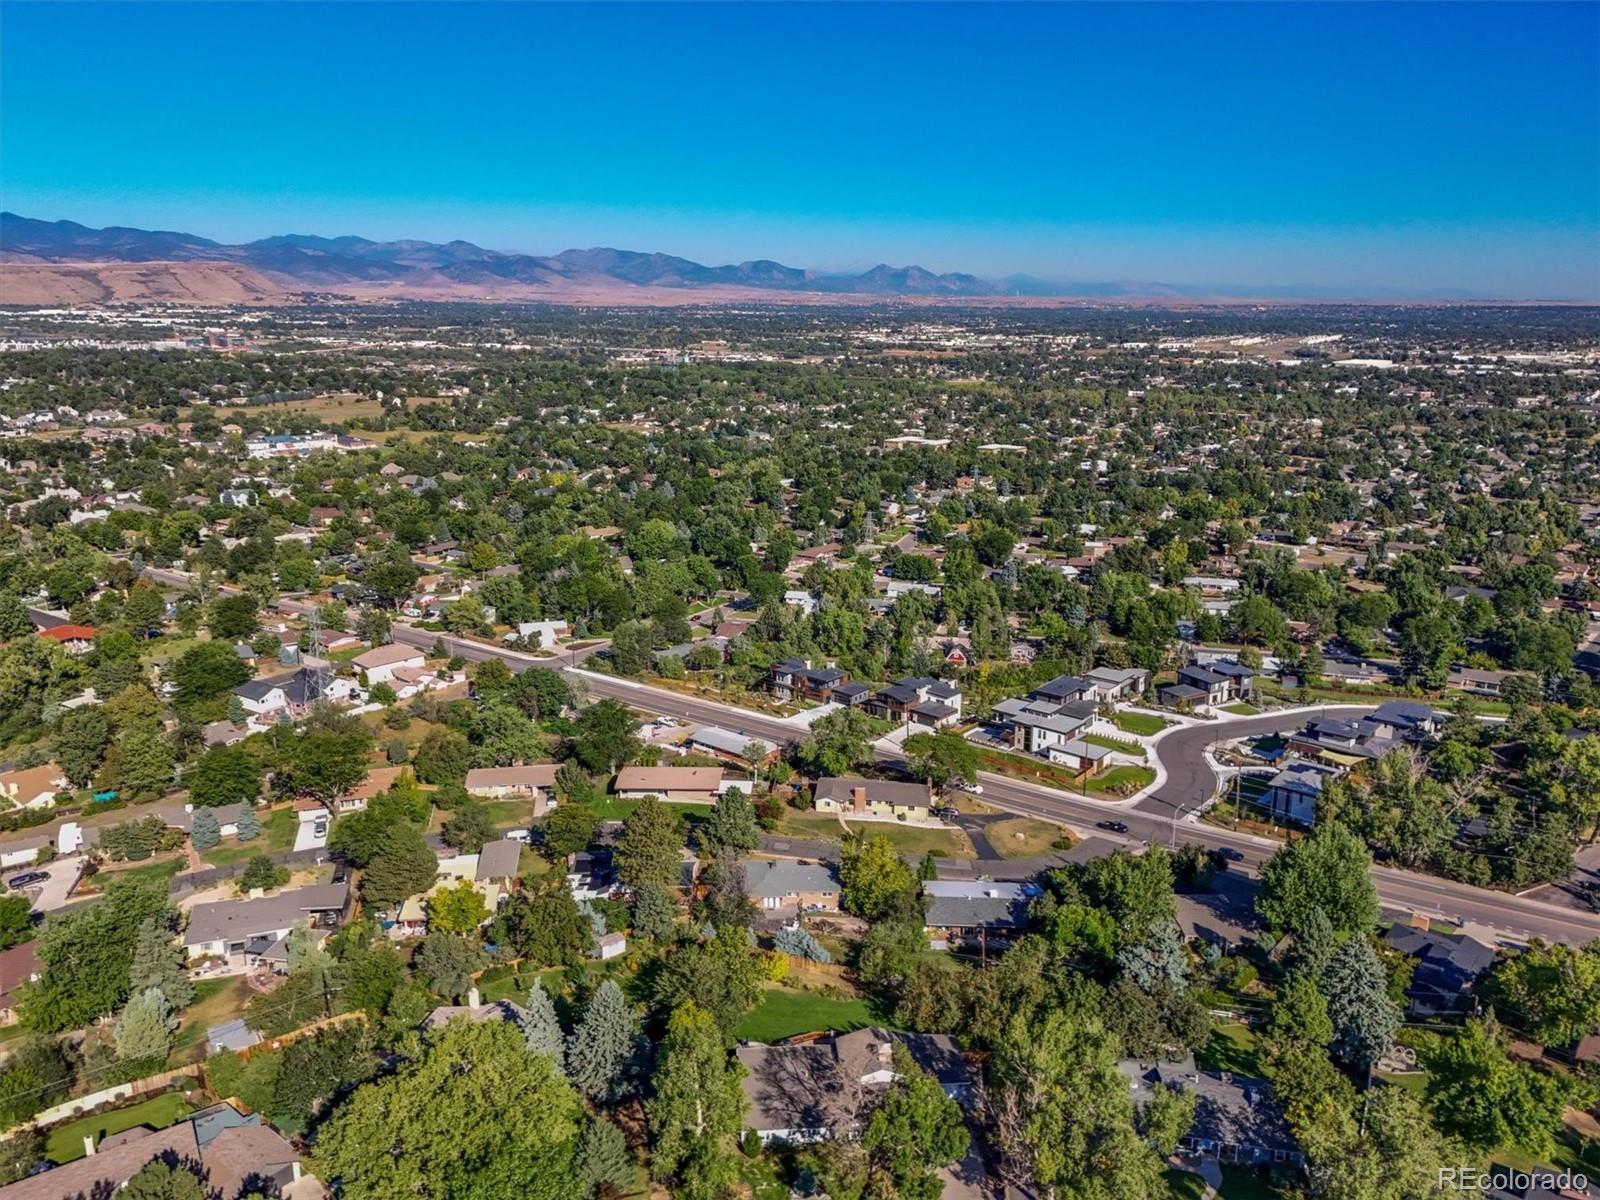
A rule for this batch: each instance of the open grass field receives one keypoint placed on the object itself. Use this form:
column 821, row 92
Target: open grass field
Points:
column 332, row 407
column 1022, row 837
column 64, row 1143
column 1121, row 781
column 784, row 1012
column 1143, row 724
column 918, row 840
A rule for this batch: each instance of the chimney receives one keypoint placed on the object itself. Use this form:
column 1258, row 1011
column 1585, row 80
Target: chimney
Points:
column 473, row 999
column 88, row 1144
column 858, row 799
column 885, row 1052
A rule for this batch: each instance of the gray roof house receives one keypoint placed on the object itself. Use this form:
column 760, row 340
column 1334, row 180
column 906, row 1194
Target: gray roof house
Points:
column 1236, row 1120
column 827, row 1088
column 245, row 932
column 959, row 906
column 785, row 884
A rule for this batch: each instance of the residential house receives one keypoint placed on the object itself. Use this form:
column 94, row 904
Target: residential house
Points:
column 1447, row 969
column 1236, row 1119
column 534, row 782
column 873, row 797
column 376, row 781
column 1223, row 681
column 242, row 934
column 33, row 787
column 591, row 874
column 1062, row 689
column 74, row 639
column 797, row 679
column 1477, row 681
column 1292, row 794
column 1109, row 684
column 411, row 918
column 804, row 601
column 545, row 634
column 1037, row 725
column 678, row 785
column 962, row 910
column 789, row 887
column 18, row 965
column 827, row 1088
column 476, row 1011
column 499, row 862
column 739, row 749
column 1344, row 743
column 379, row 664
column 238, row 1154
column 24, row 850
column 918, row 700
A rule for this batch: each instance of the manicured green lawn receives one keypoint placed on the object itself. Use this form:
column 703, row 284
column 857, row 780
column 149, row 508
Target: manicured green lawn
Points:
column 1143, row 724
column 64, row 1143
column 277, row 834
column 608, row 808
column 156, row 870
column 1231, row 1048
column 1121, row 781
column 1241, row 710
column 784, row 1012
column 1111, row 743
column 917, row 839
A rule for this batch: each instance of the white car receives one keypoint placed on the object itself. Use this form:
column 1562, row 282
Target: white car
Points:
column 975, row 789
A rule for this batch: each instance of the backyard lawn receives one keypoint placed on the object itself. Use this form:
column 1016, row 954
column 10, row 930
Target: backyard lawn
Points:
column 784, row 1012
column 1232, row 1048
column 215, row 1001
column 1143, row 724
column 165, row 869
column 1121, row 781
column 277, row 834
column 918, row 839
column 64, row 1143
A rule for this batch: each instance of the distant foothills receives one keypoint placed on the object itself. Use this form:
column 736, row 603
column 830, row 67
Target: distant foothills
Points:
column 47, row 262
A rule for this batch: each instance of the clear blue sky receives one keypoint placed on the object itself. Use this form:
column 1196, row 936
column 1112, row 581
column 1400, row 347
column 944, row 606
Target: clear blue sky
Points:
column 1420, row 148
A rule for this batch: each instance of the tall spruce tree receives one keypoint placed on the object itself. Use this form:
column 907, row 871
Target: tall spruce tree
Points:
column 601, row 1047
column 540, row 1028
column 158, row 963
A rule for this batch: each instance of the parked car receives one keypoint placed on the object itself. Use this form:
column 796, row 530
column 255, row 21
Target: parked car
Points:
column 341, row 873
column 27, row 879
column 946, row 813
column 1113, row 826
column 975, row 789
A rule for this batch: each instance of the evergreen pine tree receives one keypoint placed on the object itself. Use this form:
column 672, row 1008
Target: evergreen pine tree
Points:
column 1364, row 1018
column 158, row 963
column 205, row 831
column 654, row 914
column 604, row 1163
column 540, row 1028
column 597, row 1056
column 145, row 1029
column 249, row 825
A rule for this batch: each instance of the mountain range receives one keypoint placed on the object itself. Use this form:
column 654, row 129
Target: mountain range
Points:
column 59, row 251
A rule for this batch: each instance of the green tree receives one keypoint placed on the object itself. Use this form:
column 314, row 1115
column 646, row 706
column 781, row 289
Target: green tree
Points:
column 916, row 1130
column 224, row 775
column 1552, row 992
column 604, row 1045
column 1328, row 870
column 444, row 756
column 1364, row 1017
column 654, row 914
column 14, row 620
column 158, row 962
column 460, row 909
column 81, row 738
column 248, row 826
column 35, row 1073
column 160, row 1180
column 546, row 927
column 730, row 828
column 836, row 744
column 206, row 670
column 1135, row 891
column 651, row 846
column 602, row 736
column 86, row 954
column 604, row 1164
column 540, row 1028
column 475, row 1116
column 1488, row 1099
column 205, row 831
column 143, row 761
column 469, row 828
column 567, row 830
column 233, row 617
column 698, row 1100
column 945, row 760
column 1064, row 1114
column 146, row 1026
column 401, row 866
column 446, row 962
column 874, row 881
column 16, row 920
column 721, row 975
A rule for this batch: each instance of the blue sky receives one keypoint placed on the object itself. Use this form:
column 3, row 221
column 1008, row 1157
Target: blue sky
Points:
column 1417, row 148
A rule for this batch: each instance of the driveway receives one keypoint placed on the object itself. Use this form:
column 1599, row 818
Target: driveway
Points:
column 52, row 893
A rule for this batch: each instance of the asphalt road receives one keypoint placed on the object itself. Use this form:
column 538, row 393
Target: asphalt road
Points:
column 1151, row 820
